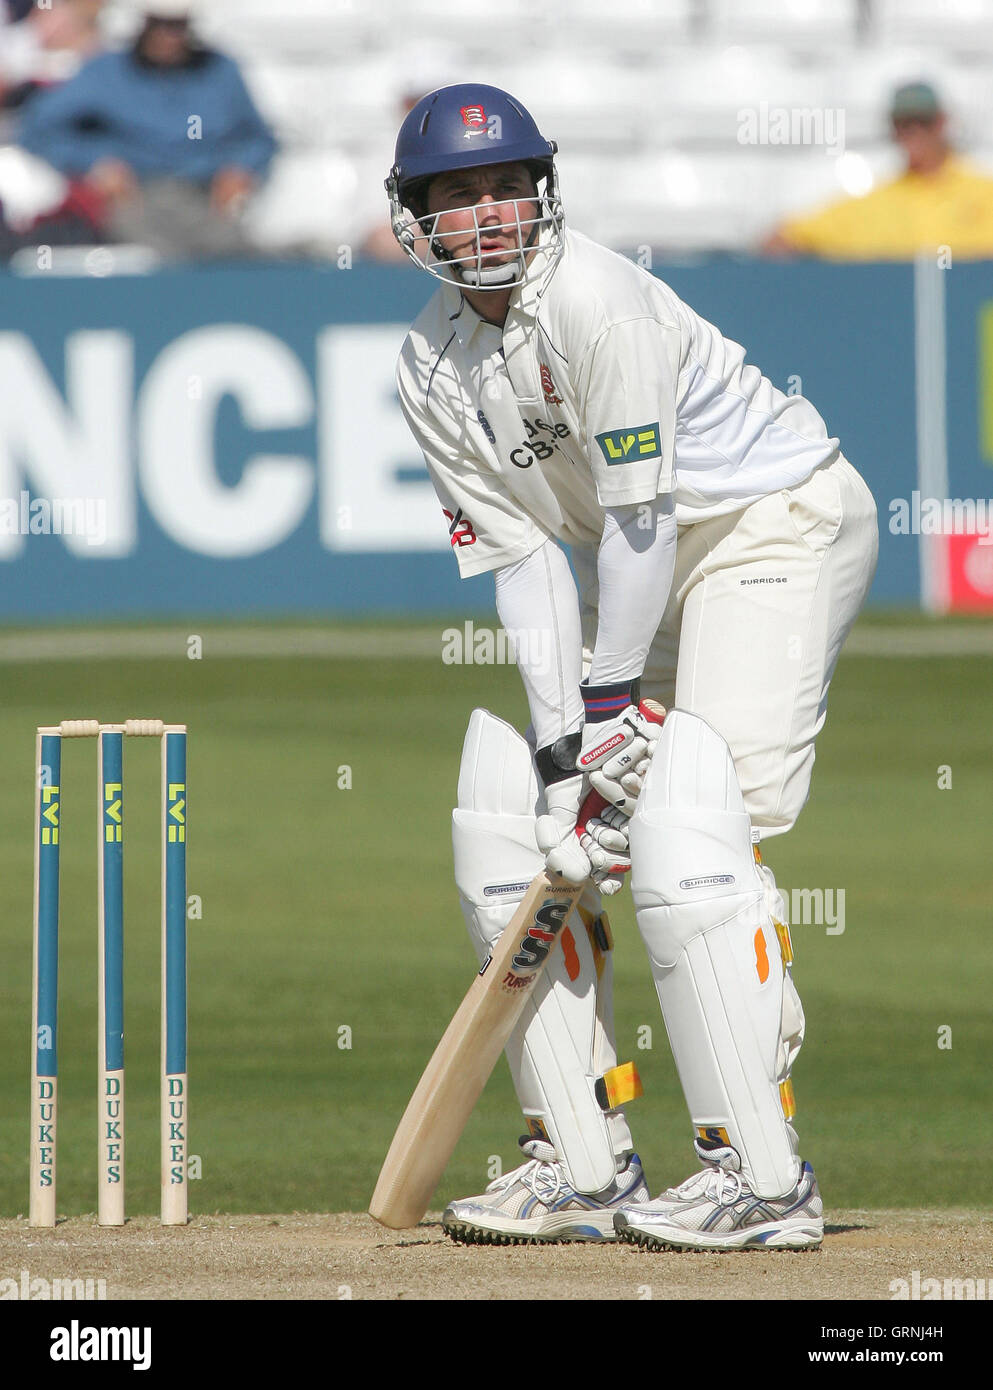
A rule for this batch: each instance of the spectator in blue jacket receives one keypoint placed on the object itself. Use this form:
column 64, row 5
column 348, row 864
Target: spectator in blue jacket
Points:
column 165, row 132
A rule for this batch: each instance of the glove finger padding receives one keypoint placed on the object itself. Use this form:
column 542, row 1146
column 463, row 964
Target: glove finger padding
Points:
column 620, row 797
column 605, row 861
column 633, row 781
column 610, row 841
column 637, row 751
column 604, row 839
column 597, row 849
column 609, row 830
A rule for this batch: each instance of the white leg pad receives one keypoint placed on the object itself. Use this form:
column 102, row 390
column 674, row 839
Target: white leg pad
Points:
column 703, row 912
column 564, row 1040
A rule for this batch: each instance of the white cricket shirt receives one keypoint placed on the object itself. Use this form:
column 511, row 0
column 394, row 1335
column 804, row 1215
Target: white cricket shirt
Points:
column 602, row 389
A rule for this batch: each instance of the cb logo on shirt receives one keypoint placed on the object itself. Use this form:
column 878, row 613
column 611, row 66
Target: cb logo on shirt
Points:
column 461, row 529
column 535, row 447
column 626, row 445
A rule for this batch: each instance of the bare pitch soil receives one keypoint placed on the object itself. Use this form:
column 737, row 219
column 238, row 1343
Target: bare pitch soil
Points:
column 350, row 1256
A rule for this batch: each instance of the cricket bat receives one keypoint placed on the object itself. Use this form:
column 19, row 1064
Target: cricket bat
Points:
column 461, row 1065
column 462, row 1062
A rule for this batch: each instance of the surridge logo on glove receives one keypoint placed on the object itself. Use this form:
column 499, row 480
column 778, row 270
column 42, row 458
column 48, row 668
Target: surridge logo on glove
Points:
column 616, row 740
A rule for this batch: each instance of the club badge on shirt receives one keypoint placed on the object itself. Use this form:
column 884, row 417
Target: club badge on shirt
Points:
column 548, row 386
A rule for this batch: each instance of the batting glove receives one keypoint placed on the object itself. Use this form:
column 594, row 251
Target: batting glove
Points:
column 618, row 741
column 576, row 851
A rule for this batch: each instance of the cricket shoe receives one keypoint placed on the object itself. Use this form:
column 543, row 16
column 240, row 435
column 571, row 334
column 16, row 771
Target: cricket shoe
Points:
column 536, row 1202
column 716, row 1210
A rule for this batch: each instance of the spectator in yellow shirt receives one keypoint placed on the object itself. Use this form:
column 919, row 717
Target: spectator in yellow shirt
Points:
column 939, row 200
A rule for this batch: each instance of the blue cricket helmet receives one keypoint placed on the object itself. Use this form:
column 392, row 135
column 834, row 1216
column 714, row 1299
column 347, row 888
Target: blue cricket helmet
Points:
column 461, row 127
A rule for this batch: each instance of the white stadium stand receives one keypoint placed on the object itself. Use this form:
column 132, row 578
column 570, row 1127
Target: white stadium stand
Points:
column 804, row 24
column 956, row 26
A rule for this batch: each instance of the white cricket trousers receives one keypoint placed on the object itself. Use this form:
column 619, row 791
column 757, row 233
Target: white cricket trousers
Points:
column 762, row 600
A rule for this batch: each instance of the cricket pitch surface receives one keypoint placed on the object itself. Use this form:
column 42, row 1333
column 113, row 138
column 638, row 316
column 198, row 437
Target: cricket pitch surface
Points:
column 348, row 1255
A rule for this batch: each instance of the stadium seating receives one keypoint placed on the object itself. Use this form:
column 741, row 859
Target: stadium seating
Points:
column 655, row 104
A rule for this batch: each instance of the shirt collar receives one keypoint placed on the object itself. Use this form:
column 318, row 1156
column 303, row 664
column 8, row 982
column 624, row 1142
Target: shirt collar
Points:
column 525, row 300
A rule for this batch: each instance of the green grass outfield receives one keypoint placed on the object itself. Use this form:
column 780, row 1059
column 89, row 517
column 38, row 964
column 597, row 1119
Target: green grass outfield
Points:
column 326, row 909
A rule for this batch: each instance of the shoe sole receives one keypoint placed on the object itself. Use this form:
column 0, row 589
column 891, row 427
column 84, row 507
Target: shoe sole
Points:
column 465, row 1233
column 776, row 1238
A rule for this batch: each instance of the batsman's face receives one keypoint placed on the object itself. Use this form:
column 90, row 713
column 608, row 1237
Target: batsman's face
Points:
column 489, row 211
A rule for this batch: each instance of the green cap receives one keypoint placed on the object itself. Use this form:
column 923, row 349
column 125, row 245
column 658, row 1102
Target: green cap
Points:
column 915, row 99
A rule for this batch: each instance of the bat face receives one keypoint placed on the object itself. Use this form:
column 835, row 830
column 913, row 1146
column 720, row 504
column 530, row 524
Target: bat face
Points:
column 457, row 1072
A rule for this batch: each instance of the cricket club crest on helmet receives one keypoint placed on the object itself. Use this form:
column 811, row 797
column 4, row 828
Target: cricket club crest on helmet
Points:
column 464, row 127
column 474, row 117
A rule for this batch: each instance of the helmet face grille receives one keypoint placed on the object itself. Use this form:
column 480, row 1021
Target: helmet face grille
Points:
column 418, row 235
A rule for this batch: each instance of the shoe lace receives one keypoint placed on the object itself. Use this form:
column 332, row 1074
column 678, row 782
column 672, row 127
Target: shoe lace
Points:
column 542, row 1176
column 544, row 1180
column 717, row 1184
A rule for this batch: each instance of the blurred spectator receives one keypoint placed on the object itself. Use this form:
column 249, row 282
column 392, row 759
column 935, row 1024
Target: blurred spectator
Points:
column 43, row 44
column 164, row 133
column 939, row 199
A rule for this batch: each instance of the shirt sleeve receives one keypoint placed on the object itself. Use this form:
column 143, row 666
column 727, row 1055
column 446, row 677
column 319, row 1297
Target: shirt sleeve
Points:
column 487, row 526
column 635, row 565
column 538, row 606
column 627, row 383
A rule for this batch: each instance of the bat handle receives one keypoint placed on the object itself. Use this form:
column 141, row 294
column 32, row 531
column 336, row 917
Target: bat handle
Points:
column 652, row 711
column 592, row 805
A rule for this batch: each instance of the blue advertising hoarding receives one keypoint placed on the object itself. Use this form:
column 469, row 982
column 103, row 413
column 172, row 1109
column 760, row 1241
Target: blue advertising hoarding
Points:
column 227, row 440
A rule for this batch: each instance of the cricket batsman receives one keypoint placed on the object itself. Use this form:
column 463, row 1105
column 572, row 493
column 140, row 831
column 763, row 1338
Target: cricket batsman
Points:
column 569, row 404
